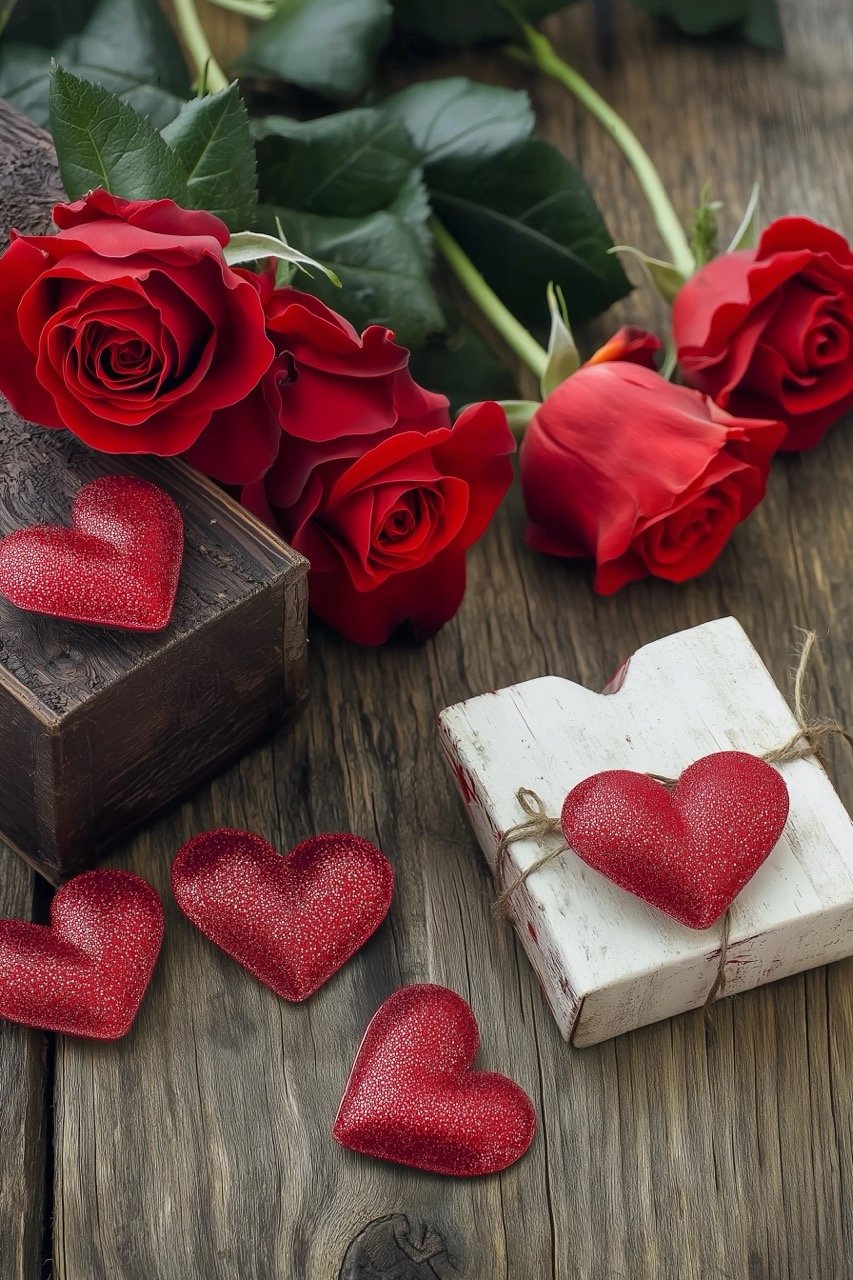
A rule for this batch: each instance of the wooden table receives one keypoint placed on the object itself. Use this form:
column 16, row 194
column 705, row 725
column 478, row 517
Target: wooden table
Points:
column 199, row 1149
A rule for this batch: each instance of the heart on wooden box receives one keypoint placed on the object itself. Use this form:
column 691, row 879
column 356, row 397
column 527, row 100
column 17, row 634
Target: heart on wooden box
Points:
column 607, row 961
column 116, row 566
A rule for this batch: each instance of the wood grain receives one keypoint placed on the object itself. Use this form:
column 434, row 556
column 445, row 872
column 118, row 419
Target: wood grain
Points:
column 24, row 1076
column 692, row 1150
column 24, row 1073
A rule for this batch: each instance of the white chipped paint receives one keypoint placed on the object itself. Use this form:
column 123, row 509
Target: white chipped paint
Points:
column 607, row 961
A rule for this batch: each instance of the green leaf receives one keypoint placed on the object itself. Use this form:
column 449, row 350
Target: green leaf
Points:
column 526, row 218
column 213, row 142
column 102, row 142
column 328, row 46
column 754, row 20
column 662, row 276
column 348, row 164
column 462, row 365
column 762, row 26
column 127, row 46
column 458, row 122
column 413, row 207
column 46, row 22
column 384, row 274
column 252, row 246
column 468, row 21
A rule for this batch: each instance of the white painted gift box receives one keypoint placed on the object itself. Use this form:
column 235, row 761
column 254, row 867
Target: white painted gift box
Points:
column 608, row 962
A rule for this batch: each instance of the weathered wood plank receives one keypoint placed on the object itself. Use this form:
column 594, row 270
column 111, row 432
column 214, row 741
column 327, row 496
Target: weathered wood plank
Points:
column 28, row 182
column 23, row 1114
column 685, row 1151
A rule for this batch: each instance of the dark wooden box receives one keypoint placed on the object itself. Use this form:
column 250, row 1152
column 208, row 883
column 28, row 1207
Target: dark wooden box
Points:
column 101, row 729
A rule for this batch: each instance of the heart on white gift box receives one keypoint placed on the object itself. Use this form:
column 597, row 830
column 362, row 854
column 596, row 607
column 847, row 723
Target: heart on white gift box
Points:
column 607, row 961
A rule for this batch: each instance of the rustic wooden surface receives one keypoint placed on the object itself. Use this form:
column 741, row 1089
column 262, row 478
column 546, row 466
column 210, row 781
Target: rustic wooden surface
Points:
column 199, row 1148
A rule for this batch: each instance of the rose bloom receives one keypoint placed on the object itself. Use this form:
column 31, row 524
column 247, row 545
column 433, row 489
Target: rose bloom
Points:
column 643, row 476
column 768, row 332
column 127, row 326
column 327, row 387
column 361, row 470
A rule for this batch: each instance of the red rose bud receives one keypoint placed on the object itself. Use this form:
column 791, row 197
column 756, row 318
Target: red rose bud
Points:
column 127, row 326
column 769, row 331
column 643, row 476
column 629, row 343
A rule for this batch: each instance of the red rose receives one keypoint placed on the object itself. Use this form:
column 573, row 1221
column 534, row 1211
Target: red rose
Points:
column 645, row 477
column 127, row 326
column 386, row 515
column 630, row 343
column 768, row 332
column 327, row 386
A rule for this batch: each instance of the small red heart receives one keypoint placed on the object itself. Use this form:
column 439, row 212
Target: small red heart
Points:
column 117, row 566
column 412, row 1098
column 688, row 851
column 292, row 921
column 86, row 974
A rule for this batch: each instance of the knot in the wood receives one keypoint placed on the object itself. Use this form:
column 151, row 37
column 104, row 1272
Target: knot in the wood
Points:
column 398, row 1248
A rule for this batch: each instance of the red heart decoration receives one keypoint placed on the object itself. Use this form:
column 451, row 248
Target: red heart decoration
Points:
column 292, row 921
column 86, row 974
column 412, row 1098
column 688, row 851
column 117, row 566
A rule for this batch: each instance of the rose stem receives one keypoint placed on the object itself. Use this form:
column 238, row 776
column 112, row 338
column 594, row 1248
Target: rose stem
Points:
column 208, row 71
column 540, row 53
column 511, row 330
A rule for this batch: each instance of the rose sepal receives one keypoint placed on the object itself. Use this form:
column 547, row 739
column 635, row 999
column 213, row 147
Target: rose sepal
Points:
column 564, row 359
column 253, row 246
column 746, row 236
column 663, row 276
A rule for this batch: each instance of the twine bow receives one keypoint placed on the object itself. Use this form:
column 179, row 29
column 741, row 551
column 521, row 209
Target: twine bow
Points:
column 805, row 743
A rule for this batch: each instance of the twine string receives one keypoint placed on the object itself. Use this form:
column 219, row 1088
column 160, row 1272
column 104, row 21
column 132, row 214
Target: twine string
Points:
column 806, row 742
column 537, row 826
column 718, row 986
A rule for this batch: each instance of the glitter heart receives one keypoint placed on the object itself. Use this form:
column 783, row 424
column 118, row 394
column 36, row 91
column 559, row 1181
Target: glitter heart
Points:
column 117, row 566
column 412, row 1098
column 688, row 851
column 292, row 921
column 86, row 974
